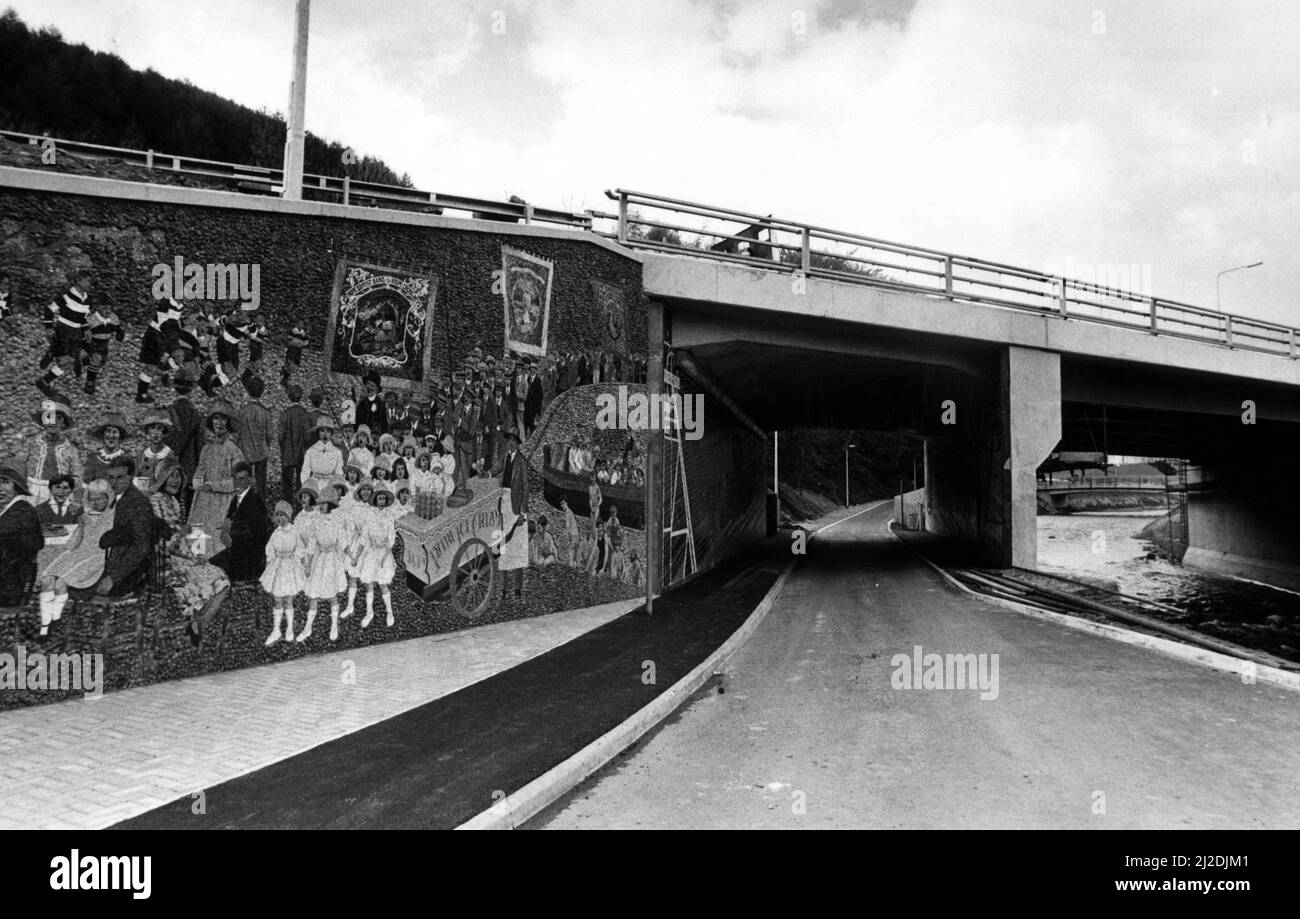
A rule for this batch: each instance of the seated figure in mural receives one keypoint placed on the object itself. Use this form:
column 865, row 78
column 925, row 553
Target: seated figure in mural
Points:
column 81, row 564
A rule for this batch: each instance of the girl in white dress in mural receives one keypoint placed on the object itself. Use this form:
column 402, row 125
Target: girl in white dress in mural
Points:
column 377, row 565
column 283, row 577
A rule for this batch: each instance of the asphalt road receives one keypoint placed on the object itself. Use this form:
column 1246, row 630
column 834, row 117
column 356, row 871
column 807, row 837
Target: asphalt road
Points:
column 806, row 729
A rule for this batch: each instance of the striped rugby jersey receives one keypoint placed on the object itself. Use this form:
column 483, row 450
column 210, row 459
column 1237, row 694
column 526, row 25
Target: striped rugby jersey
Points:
column 167, row 315
column 103, row 328
column 71, row 309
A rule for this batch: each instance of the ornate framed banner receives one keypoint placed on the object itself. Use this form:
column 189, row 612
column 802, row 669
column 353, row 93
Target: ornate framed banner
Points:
column 526, row 290
column 382, row 320
column 611, row 309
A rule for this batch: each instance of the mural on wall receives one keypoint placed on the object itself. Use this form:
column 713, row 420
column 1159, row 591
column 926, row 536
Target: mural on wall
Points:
column 441, row 462
column 381, row 320
column 612, row 308
column 526, row 290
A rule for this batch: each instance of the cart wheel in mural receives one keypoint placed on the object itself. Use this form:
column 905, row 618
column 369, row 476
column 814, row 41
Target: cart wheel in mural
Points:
column 473, row 578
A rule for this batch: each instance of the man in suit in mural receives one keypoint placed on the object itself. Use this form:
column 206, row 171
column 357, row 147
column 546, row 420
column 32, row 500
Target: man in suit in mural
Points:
column 372, row 410
column 463, row 433
column 532, row 398
column 514, row 518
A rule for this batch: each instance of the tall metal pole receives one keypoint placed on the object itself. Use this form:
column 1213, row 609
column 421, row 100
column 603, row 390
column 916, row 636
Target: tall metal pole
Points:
column 296, row 138
column 776, row 463
column 1218, row 304
column 654, row 524
column 846, row 475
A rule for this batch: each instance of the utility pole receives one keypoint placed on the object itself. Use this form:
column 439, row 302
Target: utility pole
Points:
column 296, row 137
column 847, row 448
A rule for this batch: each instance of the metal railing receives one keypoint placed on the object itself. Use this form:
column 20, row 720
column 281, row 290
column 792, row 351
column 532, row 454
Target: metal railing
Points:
column 1101, row 483
column 654, row 222
column 658, row 223
column 341, row 189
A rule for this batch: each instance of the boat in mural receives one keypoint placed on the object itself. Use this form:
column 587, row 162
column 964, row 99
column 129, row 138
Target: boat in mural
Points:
column 561, row 484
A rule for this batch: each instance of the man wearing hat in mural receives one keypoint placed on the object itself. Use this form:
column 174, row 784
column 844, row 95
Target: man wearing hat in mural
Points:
column 532, row 399
column 184, row 437
column 130, row 541
column 65, row 322
column 214, row 479
column 465, row 421
column 514, row 517
column 20, row 538
column 372, row 411
column 52, row 453
column 323, row 461
column 110, row 432
column 296, row 430
column 157, row 423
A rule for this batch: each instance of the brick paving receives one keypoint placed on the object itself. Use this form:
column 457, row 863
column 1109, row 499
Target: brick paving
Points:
column 87, row 765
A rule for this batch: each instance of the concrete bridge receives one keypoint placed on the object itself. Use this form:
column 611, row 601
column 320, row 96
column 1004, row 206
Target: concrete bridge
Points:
column 993, row 365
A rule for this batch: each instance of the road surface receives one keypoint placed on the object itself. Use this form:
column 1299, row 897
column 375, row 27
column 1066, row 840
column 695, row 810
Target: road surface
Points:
column 806, row 729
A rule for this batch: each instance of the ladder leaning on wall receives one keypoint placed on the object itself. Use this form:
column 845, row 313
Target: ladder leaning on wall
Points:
column 677, row 486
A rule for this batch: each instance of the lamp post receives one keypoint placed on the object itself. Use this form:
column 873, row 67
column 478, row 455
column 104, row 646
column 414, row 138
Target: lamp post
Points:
column 1217, row 296
column 847, row 448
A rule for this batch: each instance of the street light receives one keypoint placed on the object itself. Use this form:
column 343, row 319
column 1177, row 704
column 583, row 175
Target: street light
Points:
column 1218, row 305
column 847, row 448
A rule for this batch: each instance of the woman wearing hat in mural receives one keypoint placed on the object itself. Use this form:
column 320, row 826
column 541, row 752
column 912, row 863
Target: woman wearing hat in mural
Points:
column 328, row 575
column 214, row 480
column 156, row 425
column 198, row 586
column 53, row 452
column 20, row 538
column 282, row 577
column 376, row 566
column 81, row 564
column 514, row 520
column 110, row 432
column 372, row 410
column 323, row 460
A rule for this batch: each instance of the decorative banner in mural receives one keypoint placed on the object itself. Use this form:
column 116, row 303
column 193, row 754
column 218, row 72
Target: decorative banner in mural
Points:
column 381, row 320
column 611, row 307
column 527, row 294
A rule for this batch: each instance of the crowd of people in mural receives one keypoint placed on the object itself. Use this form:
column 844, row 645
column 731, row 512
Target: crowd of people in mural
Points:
column 184, row 490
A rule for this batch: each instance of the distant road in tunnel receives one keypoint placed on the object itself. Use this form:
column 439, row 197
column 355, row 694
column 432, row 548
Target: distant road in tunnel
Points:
column 805, row 729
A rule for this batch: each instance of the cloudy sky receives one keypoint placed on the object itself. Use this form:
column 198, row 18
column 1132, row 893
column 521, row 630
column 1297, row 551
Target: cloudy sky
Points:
column 1046, row 133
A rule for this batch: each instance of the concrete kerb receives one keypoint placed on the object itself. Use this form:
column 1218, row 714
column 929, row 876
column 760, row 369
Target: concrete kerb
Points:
column 1261, row 673
column 524, row 804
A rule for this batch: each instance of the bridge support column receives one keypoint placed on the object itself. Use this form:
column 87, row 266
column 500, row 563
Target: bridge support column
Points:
column 1031, row 422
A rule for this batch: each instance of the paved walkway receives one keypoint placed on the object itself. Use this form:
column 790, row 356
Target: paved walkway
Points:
column 79, row 765
column 441, row 763
column 806, row 729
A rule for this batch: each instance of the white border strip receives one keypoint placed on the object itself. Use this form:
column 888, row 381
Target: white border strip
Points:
column 63, row 183
column 1260, row 673
column 527, row 802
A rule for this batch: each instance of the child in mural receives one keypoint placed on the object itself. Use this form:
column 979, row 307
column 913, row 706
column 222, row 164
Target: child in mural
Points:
column 387, row 452
column 596, row 552
column 102, row 327
column 377, row 567
column 61, row 510
column 161, row 338
column 361, row 455
column 398, row 471
column 5, row 309
column 81, row 564
column 282, row 577
column 543, row 548
column 594, row 498
column 632, row 570
column 65, row 322
column 614, row 536
column 157, row 424
column 571, row 530
column 323, row 460
column 351, row 516
column 298, row 342
column 327, row 577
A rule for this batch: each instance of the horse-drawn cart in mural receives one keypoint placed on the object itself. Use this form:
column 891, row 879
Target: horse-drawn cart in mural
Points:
column 451, row 556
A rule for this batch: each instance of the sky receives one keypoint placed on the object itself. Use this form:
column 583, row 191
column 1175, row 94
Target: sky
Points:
column 1065, row 135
